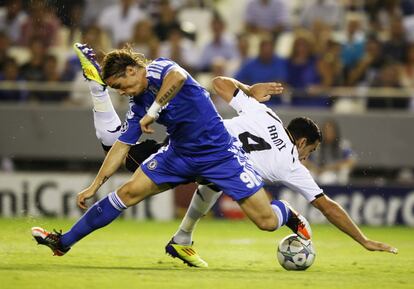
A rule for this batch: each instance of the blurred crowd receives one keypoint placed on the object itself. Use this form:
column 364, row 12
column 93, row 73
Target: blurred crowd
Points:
column 311, row 46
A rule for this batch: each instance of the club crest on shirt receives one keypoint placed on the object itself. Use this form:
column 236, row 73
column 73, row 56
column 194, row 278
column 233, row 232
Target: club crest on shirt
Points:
column 124, row 127
column 152, row 165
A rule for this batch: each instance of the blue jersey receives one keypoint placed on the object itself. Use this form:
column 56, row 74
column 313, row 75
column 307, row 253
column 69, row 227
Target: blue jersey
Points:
column 192, row 122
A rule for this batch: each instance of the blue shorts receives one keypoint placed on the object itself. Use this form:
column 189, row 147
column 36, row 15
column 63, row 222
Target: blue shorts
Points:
column 233, row 173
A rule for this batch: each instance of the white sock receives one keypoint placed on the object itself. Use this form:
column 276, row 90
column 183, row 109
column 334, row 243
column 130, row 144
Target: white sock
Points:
column 116, row 201
column 100, row 97
column 106, row 120
column 203, row 200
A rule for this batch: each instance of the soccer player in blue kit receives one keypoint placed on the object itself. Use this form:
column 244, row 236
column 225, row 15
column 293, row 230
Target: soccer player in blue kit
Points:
column 199, row 147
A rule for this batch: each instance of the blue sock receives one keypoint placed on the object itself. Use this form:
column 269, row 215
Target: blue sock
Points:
column 99, row 215
column 282, row 212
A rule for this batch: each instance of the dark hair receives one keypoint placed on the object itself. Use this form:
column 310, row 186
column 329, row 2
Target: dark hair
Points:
column 116, row 62
column 305, row 127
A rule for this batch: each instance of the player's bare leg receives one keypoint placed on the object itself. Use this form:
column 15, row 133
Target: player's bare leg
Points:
column 279, row 213
column 139, row 187
column 100, row 214
column 257, row 209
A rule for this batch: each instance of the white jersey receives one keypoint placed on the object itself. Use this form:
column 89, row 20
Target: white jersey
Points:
column 273, row 154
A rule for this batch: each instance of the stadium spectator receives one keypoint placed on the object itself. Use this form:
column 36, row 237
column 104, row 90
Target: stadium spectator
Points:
column 396, row 45
column 380, row 13
column 407, row 72
column 33, row 69
column 330, row 66
column 65, row 11
column 51, row 75
column 321, row 34
column 70, row 13
column 144, row 40
column 367, row 68
column 302, row 72
column 407, row 7
column 301, row 65
column 334, row 161
column 119, row 20
column 354, row 44
column 12, row 18
column 328, row 12
column 266, row 67
column 221, row 46
column 389, row 76
column 41, row 24
column 243, row 46
column 94, row 8
column 243, row 56
column 180, row 49
column 167, row 20
column 264, row 16
column 153, row 7
column 10, row 72
column 4, row 48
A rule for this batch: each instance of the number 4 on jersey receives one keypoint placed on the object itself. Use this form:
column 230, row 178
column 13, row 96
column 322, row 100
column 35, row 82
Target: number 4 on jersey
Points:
column 258, row 144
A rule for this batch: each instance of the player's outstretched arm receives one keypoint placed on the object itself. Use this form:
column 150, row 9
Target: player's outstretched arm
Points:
column 338, row 216
column 225, row 87
column 113, row 160
column 171, row 85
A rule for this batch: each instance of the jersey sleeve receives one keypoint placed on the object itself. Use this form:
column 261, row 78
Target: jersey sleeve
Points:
column 131, row 129
column 244, row 104
column 301, row 181
column 158, row 68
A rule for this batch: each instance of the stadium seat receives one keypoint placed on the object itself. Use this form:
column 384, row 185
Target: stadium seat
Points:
column 200, row 18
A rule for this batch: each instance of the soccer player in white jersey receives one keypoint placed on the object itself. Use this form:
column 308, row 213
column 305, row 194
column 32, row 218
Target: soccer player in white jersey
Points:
column 276, row 153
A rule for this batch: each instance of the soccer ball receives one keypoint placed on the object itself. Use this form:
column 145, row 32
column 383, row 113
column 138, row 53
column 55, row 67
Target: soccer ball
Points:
column 295, row 253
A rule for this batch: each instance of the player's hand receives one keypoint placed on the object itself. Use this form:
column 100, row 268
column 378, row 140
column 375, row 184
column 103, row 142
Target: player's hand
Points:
column 146, row 122
column 264, row 91
column 378, row 246
column 83, row 196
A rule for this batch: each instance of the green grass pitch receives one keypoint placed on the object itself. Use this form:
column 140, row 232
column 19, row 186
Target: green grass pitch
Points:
column 130, row 254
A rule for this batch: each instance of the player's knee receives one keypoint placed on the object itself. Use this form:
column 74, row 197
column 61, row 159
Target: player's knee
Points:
column 267, row 223
column 128, row 194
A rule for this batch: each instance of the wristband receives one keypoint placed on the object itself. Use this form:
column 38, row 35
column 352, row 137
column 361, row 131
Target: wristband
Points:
column 239, row 93
column 154, row 110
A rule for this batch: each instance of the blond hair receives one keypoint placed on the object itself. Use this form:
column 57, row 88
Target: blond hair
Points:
column 116, row 61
